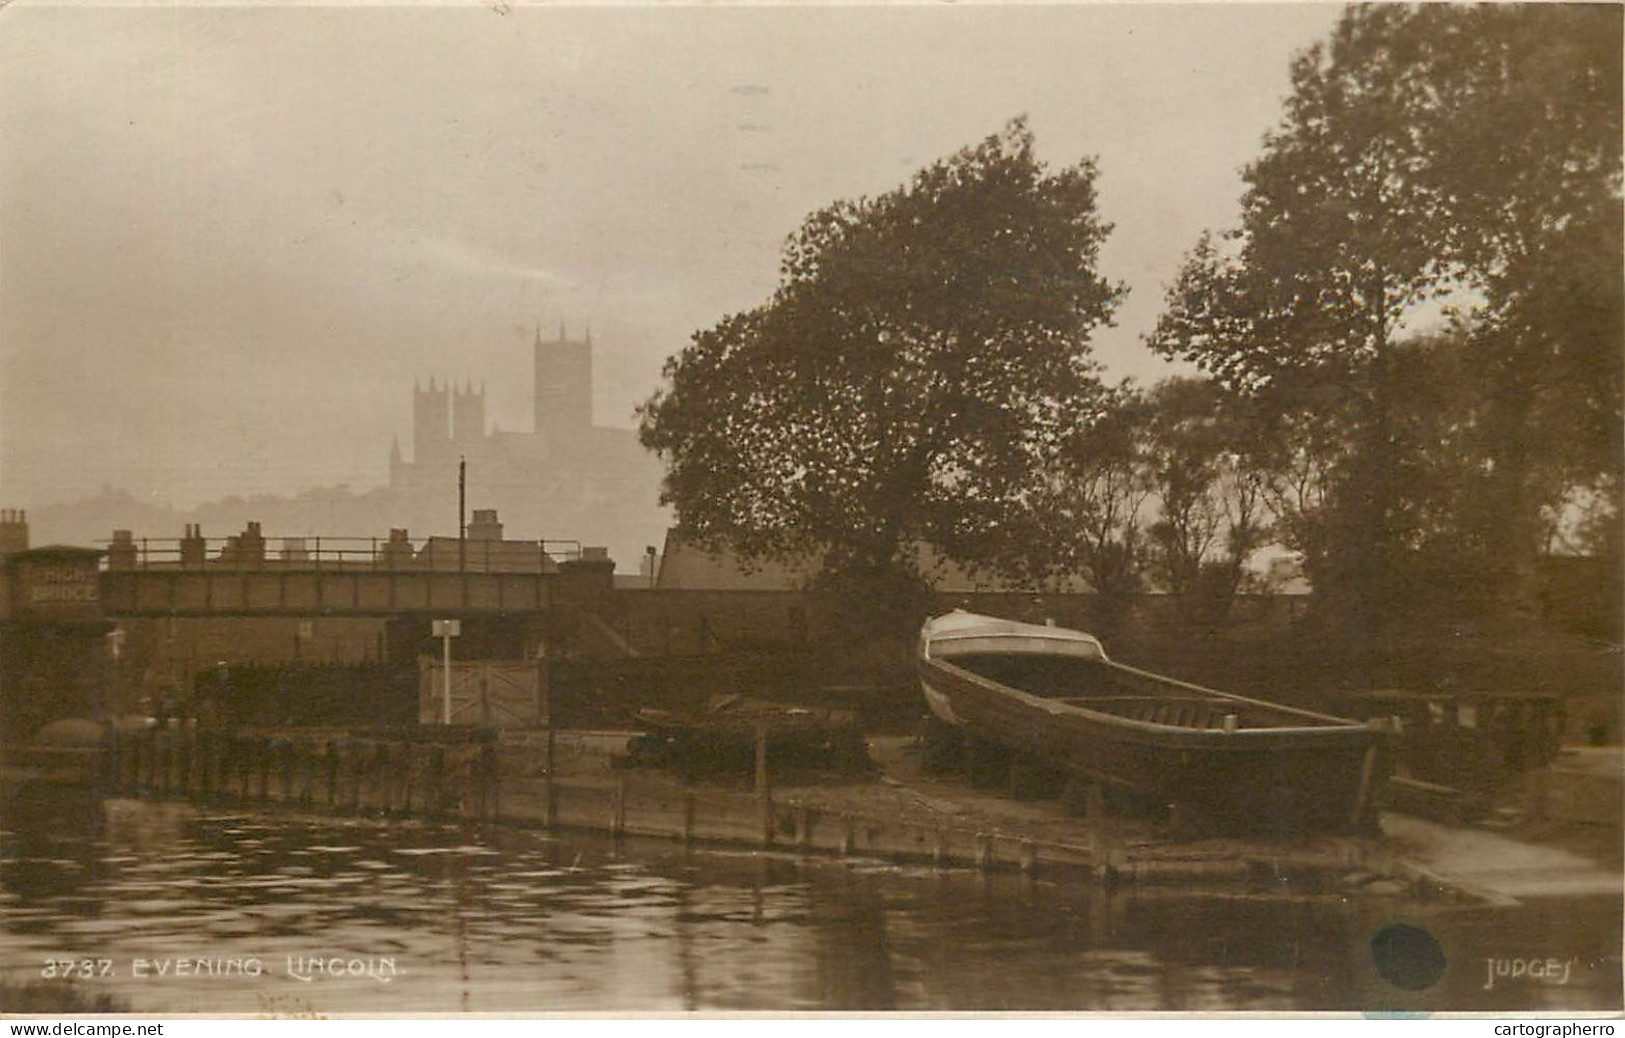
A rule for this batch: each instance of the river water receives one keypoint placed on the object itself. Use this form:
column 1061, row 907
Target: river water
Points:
column 178, row 909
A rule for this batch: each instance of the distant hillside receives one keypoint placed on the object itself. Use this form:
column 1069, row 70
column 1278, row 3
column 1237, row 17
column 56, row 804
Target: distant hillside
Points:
column 330, row 511
column 93, row 519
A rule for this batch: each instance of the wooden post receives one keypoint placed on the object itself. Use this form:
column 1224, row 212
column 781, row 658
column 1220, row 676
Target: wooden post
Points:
column 307, row 773
column 231, row 757
column 177, row 763
column 1100, row 827
column 290, row 764
column 137, row 762
column 262, row 757
column 220, row 783
column 166, row 753
column 183, row 763
column 114, row 772
column 984, row 851
column 1540, row 793
column 357, row 774
column 216, row 764
column 549, row 803
column 848, row 835
column 205, row 758
column 617, row 823
column 764, row 796
column 115, row 761
column 331, row 760
column 437, row 776
column 285, row 762
column 152, row 761
column 183, row 766
column 241, row 764
column 408, row 770
column 136, row 746
column 1362, row 797
column 200, row 763
column 134, row 752
column 492, row 759
column 1029, row 858
column 386, row 798
column 245, row 776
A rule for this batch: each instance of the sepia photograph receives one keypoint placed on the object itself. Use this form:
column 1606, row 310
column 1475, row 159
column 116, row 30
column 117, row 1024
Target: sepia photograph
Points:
column 519, row 508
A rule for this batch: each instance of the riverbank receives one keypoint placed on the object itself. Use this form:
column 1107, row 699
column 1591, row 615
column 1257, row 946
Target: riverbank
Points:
column 477, row 917
column 1567, row 842
column 900, row 812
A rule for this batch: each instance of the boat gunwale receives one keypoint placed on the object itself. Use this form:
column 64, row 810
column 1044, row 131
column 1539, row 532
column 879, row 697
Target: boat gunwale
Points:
column 1038, row 632
column 1240, row 739
column 1236, row 697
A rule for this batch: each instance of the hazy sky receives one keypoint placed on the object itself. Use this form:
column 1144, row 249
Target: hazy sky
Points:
column 231, row 238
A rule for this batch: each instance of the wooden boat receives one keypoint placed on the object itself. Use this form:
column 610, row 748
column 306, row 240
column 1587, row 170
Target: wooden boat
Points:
column 1224, row 761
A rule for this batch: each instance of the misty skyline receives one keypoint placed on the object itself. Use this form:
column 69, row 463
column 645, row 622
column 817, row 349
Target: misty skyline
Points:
column 231, row 239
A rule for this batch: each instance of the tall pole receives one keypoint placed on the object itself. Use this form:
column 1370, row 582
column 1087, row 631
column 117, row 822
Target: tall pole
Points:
column 445, row 688
column 462, row 490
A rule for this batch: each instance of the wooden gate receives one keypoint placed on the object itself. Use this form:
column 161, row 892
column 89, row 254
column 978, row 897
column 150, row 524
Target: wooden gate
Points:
column 484, row 693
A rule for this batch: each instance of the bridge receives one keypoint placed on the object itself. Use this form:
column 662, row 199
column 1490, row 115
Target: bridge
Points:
column 320, row 592
column 69, row 615
column 345, row 576
column 303, row 577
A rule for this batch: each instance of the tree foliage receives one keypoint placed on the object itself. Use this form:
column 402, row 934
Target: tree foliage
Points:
column 1089, row 516
column 1427, row 152
column 1208, row 466
column 922, row 362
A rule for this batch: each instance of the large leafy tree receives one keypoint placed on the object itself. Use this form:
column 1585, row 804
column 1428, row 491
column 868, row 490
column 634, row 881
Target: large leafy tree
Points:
column 1337, row 243
column 917, row 371
column 1525, row 143
column 1427, row 151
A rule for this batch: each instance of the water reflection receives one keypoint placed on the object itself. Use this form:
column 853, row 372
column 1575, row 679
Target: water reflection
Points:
column 505, row 921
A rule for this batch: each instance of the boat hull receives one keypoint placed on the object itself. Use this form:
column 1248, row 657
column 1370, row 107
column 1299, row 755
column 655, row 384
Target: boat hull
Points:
column 1300, row 774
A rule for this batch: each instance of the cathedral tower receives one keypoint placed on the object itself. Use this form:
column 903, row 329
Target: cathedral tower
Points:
column 468, row 414
column 431, row 424
column 563, row 387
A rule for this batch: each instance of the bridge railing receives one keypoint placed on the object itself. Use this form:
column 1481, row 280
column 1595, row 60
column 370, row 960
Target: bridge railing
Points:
column 319, row 554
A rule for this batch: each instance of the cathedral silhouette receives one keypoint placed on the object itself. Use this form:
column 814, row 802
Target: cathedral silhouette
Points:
column 566, row 478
